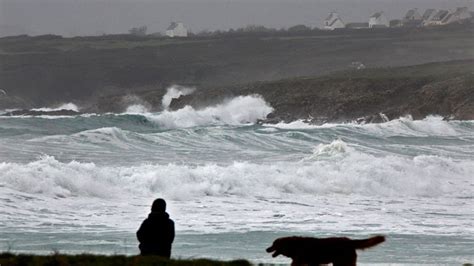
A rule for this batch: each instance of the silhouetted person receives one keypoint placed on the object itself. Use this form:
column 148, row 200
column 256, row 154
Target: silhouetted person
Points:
column 156, row 234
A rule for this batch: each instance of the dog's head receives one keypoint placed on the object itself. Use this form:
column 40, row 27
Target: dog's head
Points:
column 281, row 246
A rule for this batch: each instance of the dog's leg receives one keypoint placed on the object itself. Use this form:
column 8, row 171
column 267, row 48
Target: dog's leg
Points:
column 349, row 260
column 345, row 263
column 297, row 262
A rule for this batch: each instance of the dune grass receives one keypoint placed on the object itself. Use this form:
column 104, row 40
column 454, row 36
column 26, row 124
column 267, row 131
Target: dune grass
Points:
column 90, row 259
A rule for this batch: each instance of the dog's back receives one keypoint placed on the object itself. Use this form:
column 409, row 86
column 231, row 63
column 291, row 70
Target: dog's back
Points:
column 308, row 250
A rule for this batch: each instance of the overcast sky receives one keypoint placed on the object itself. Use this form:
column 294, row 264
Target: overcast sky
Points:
column 92, row 17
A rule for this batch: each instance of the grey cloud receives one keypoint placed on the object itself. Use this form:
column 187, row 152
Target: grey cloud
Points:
column 91, row 17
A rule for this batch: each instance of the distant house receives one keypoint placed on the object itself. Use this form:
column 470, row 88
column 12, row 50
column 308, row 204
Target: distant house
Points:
column 140, row 31
column 435, row 18
column 412, row 18
column 412, row 14
column 176, row 29
column 428, row 15
column 460, row 14
column 333, row 21
column 378, row 20
column 357, row 25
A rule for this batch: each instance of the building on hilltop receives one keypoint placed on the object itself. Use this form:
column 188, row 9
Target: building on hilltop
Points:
column 333, row 21
column 378, row 20
column 459, row 15
column 435, row 18
column 413, row 14
column 138, row 31
column 429, row 14
column 176, row 29
column 412, row 18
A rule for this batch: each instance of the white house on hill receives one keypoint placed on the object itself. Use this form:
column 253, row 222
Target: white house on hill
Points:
column 412, row 14
column 412, row 18
column 378, row 20
column 333, row 21
column 428, row 15
column 436, row 17
column 460, row 14
column 176, row 29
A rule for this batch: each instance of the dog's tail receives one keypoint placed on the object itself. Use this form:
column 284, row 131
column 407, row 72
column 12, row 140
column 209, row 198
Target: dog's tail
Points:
column 367, row 243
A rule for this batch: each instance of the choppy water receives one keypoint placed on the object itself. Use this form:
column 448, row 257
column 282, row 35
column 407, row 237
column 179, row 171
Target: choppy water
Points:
column 84, row 183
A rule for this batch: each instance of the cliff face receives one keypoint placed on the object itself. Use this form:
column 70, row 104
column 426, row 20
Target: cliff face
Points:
column 445, row 89
column 50, row 70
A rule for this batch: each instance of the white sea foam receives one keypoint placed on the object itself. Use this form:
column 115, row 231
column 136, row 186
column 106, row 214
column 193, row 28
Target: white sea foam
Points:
column 174, row 92
column 298, row 124
column 237, row 111
column 65, row 106
column 429, row 126
column 354, row 179
column 355, row 173
column 137, row 109
column 50, row 177
column 334, row 148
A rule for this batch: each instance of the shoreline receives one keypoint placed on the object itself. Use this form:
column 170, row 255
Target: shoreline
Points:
column 92, row 71
column 398, row 250
column 96, row 259
column 357, row 96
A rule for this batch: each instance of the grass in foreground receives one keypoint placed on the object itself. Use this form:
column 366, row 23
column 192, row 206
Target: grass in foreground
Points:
column 89, row 259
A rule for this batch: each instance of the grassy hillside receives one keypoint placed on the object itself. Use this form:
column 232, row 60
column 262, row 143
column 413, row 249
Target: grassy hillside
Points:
column 50, row 69
column 88, row 259
column 445, row 89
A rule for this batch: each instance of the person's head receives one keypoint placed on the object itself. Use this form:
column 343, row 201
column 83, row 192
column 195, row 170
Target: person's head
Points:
column 159, row 205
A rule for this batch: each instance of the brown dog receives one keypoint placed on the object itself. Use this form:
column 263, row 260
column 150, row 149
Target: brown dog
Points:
column 340, row 251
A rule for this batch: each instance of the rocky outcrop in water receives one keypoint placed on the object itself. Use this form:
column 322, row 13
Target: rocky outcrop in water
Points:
column 27, row 112
column 374, row 95
column 46, row 70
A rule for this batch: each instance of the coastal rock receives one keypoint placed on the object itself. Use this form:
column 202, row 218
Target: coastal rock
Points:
column 365, row 96
column 27, row 112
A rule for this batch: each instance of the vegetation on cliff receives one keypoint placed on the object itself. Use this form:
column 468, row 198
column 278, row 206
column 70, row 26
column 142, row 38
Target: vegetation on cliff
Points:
column 7, row 259
column 445, row 89
column 47, row 70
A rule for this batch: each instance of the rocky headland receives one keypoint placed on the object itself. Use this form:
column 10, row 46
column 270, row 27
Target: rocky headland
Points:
column 320, row 76
column 369, row 95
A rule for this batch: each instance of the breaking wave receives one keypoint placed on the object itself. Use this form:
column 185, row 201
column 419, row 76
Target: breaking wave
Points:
column 237, row 111
column 403, row 126
column 137, row 109
column 354, row 173
column 174, row 92
column 65, row 106
column 334, row 148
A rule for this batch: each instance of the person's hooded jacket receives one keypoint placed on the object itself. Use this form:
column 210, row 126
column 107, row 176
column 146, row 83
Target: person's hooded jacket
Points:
column 156, row 234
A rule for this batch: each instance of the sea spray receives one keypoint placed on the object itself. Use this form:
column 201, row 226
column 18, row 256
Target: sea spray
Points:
column 335, row 148
column 354, row 174
column 406, row 125
column 236, row 111
column 64, row 106
column 101, row 173
column 137, row 109
column 174, row 92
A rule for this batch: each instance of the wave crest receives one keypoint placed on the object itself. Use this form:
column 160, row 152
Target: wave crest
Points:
column 237, row 111
column 64, row 106
column 174, row 92
column 356, row 173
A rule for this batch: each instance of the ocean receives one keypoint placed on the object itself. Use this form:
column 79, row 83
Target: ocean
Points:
column 233, row 184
